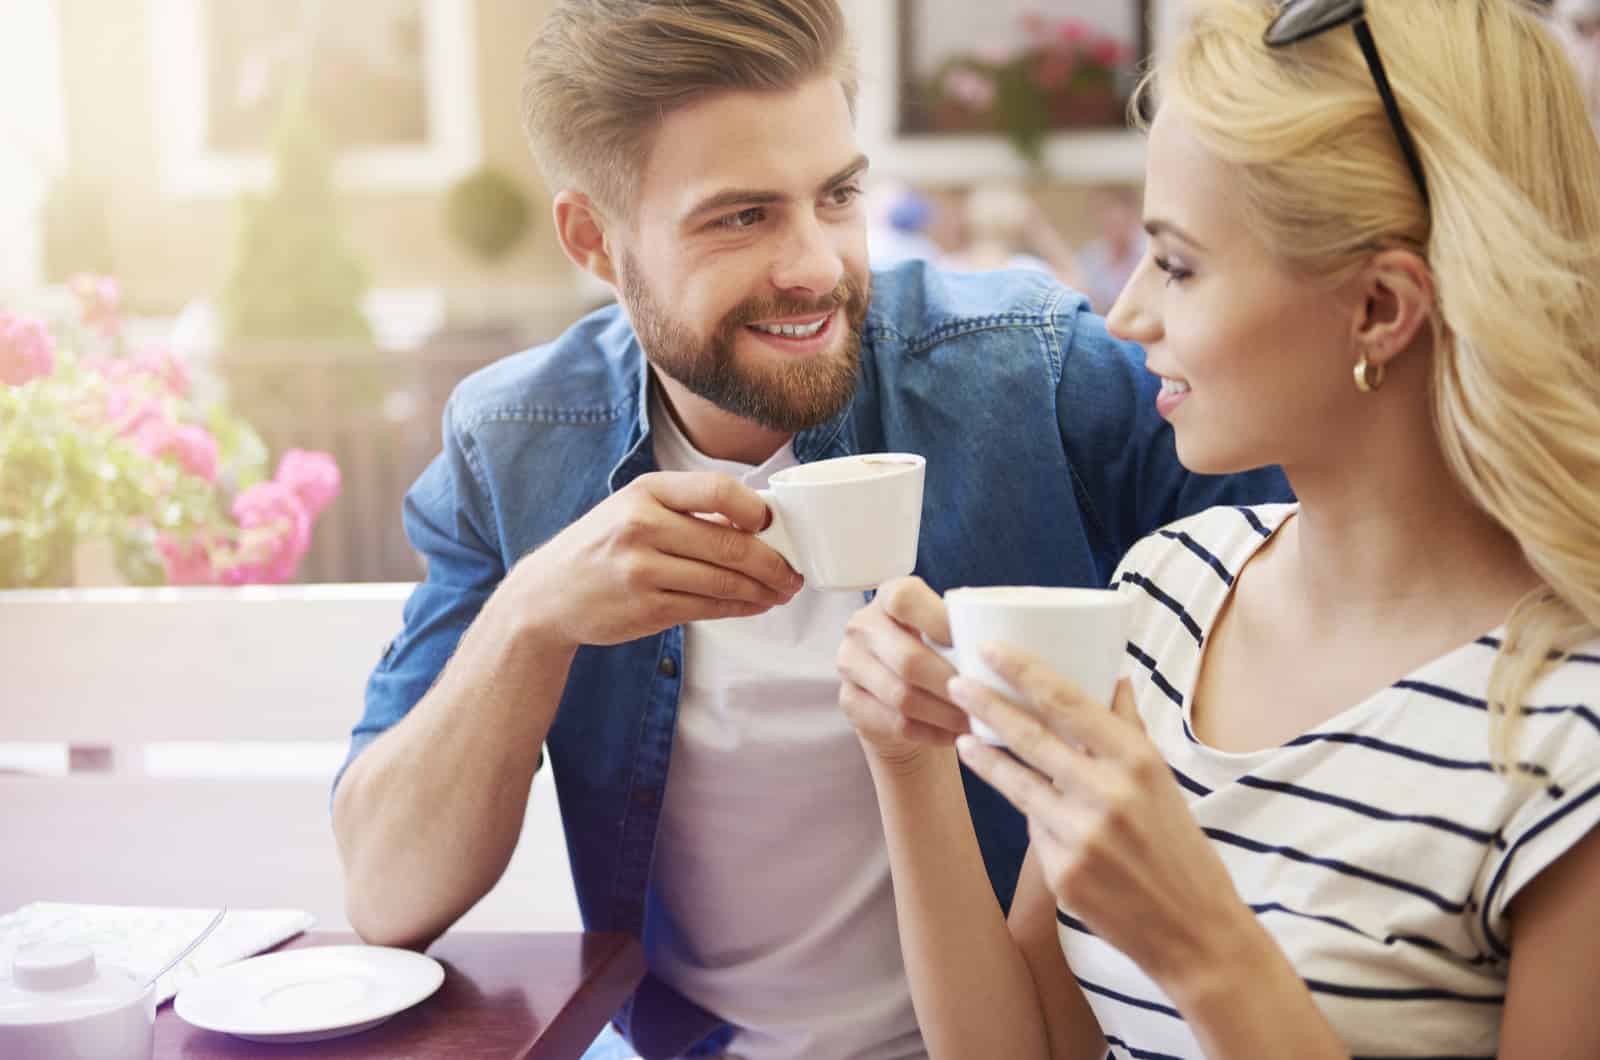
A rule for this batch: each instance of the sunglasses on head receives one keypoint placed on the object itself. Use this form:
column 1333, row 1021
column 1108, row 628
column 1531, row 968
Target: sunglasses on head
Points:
column 1299, row 20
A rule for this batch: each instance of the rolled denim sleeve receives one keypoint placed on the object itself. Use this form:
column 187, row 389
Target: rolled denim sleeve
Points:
column 446, row 520
column 1124, row 464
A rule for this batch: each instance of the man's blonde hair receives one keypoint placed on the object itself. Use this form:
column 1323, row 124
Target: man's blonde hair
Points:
column 1512, row 239
column 603, row 73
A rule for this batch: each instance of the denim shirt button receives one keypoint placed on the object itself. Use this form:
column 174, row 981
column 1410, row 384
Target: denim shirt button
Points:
column 645, row 797
column 668, row 666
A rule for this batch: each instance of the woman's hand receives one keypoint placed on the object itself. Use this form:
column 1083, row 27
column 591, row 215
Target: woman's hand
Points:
column 1112, row 832
column 893, row 685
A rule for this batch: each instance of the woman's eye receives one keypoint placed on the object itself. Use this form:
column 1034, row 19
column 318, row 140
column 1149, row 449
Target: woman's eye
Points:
column 743, row 219
column 1175, row 273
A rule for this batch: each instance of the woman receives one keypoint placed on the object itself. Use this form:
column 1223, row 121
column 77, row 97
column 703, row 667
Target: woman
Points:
column 1308, row 826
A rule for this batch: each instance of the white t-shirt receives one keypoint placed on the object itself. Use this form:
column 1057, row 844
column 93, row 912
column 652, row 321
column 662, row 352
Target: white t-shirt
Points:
column 1378, row 848
column 770, row 900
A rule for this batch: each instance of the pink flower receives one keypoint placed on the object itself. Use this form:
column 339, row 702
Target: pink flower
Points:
column 127, row 408
column 313, row 476
column 165, row 366
column 1071, row 31
column 153, row 435
column 1107, row 52
column 970, row 88
column 100, row 301
column 196, row 451
column 276, row 533
column 1055, row 71
column 26, row 349
column 192, row 446
column 187, row 562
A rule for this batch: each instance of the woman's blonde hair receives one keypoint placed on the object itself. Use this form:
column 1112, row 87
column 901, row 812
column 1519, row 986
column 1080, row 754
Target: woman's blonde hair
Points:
column 603, row 73
column 1512, row 239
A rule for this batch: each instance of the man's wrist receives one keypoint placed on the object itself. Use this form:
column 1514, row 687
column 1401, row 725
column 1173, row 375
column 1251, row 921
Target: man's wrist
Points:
column 520, row 614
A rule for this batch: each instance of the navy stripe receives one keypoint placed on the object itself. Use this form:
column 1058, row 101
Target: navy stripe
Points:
column 1577, row 656
column 1449, row 695
column 1138, row 1054
column 1495, row 941
column 1189, row 783
column 1342, row 867
column 1074, row 923
column 1419, row 941
column 1167, row 601
column 1365, row 810
column 1577, row 708
column 1402, row 751
column 1462, row 699
column 1160, row 682
column 1377, row 993
column 1126, row 999
column 1255, row 523
column 1194, row 546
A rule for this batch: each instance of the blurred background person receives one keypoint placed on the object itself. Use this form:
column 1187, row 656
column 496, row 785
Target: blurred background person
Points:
column 1005, row 229
column 1107, row 261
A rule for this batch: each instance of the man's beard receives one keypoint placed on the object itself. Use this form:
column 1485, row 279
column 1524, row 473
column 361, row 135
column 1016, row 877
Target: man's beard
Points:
column 783, row 397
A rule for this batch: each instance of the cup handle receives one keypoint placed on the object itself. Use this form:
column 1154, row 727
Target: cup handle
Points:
column 776, row 535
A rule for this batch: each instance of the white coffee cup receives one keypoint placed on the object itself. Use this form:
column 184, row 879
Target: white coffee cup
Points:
column 1081, row 634
column 850, row 522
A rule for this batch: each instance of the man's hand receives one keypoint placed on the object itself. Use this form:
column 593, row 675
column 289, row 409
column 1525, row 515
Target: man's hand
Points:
column 644, row 560
column 893, row 685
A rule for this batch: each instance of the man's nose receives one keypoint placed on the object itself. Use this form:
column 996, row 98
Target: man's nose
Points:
column 808, row 260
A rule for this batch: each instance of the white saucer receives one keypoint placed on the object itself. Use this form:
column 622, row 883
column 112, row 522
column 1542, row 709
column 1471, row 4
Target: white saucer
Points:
column 310, row 994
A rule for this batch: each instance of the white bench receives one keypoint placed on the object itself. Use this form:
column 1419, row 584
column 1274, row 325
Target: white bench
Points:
column 269, row 680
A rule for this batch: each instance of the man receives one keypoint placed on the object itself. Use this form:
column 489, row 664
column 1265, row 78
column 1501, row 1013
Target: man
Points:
column 594, row 584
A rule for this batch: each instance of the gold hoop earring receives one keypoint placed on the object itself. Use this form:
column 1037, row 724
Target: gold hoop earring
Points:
column 1369, row 376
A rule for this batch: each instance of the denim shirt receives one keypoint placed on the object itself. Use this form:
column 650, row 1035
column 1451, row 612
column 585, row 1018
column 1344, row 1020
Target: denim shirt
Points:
column 1046, row 461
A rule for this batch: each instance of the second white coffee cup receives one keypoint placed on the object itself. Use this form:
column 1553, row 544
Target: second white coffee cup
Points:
column 848, row 523
column 1081, row 634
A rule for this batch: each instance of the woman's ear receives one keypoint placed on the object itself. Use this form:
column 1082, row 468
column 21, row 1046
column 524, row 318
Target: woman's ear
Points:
column 581, row 228
column 1396, row 305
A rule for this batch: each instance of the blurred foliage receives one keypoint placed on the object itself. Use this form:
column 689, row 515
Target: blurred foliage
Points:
column 71, row 473
column 293, row 277
column 488, row 213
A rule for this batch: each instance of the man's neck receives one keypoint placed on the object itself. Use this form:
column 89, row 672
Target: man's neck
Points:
column 714, row 431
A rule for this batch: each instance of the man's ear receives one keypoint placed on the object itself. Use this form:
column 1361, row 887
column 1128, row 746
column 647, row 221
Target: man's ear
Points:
column 1396, row 304
column 581, row 228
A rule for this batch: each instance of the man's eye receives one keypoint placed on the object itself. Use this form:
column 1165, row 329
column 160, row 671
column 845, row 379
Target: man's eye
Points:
column 743, row 219
column 845, row 194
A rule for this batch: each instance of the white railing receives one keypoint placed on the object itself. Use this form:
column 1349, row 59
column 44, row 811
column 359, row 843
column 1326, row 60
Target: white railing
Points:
column 203, row 727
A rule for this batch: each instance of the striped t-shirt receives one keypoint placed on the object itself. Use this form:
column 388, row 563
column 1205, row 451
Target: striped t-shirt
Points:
column 1378, row 848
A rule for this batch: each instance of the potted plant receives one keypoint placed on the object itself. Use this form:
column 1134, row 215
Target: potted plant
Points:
column 110, row 457
column 1068, row 75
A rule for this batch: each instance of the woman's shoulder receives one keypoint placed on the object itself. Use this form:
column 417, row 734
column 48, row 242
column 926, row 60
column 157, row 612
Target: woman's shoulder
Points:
column 1215, row 542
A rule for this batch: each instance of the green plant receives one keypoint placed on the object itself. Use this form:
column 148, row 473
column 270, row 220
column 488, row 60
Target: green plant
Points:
column 1068, row 74
column 97, row 445
column 487, row 212
column 292, row 275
